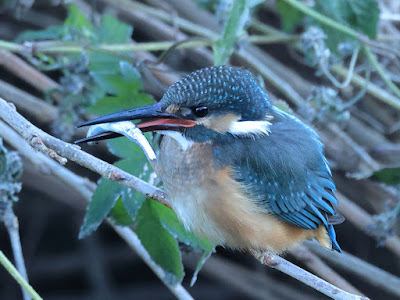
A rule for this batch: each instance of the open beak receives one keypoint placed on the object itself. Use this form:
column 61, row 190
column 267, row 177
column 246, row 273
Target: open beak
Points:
column 153, row 119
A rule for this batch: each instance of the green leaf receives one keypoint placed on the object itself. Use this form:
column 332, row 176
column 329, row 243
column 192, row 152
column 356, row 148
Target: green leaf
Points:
column 50, row 33
column 223, row 48
column 131, row 75
column 103, row 200
column 161, row 245
column 137, row 165
column 361, row 15
column 120, row 215
column 76, row 24
column 111, row 83
column 112, row 31
column 126, row 81
column 108, row 192
column 108, row 105
column 124, row 148
column 206, row 255
column 290, row 16
column 388, row 175
column 170, row 222
column 103, row 62
column 238, row 16
column 132, row 201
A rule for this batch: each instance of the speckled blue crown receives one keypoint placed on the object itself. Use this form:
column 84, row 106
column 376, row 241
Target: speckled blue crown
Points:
column 222, row 88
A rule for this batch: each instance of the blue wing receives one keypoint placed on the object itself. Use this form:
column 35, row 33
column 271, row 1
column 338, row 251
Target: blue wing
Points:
column 287, row 174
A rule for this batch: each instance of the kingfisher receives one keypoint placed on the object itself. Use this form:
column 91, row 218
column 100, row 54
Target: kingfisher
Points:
column 238, row 170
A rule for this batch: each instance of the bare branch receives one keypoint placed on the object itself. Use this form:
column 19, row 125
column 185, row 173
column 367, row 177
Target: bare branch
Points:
column 281, row 264
column 315, row 264
column 26, row 72
column 86, row 188
column 12, row 225
column 370, row 273
column 72, row 152
column 40, row 110
column 361, row 219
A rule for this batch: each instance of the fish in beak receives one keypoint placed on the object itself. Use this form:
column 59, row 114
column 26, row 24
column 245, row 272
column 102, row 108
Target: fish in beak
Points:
column 151, row 116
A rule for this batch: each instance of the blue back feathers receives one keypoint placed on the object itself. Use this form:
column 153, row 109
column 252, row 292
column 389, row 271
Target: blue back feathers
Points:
column 285, row 173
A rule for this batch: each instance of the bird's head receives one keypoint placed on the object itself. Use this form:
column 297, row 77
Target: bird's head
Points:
column 208, row 104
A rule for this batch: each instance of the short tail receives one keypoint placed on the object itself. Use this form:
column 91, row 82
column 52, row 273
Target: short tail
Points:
column 332, row 236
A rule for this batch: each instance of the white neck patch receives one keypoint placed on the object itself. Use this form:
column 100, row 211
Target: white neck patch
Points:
column 250, row 128
column 177, row 136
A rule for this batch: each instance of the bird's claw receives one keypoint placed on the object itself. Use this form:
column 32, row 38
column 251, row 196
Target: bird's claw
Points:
column 265, row 257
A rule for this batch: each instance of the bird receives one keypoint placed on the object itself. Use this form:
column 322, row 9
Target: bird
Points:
column 238, row 170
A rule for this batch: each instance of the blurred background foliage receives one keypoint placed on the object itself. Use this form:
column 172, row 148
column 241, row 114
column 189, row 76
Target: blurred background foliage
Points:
column 334, row 63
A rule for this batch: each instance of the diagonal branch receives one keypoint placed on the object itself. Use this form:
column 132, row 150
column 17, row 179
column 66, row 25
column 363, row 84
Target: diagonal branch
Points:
column 71, row 152
column 85, row 189
column 318, row 284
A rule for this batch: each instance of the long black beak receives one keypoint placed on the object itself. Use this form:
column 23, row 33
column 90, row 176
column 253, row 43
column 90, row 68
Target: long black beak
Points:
column 145, row 112
column 154, row 119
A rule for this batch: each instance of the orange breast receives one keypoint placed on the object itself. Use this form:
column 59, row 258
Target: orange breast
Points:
column 212, row 204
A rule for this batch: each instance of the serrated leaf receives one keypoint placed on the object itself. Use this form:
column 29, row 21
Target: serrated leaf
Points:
column 361, row 15
column 103, row 200
column 290, row 16
column 388, row 175
column 238, row 16
column 120, row 215
column 113, row 31
column 161, row 245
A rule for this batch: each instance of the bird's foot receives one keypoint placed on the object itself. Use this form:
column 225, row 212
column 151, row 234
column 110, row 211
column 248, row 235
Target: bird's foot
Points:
column 265, row 257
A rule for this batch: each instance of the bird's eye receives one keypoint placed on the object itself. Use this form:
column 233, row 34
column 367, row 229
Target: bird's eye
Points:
column 200, row 111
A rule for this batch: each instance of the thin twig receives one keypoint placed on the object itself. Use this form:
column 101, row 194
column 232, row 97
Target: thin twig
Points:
column 133, row 241
column 72, row 152
column 26, row 72
column 85, row 189
column 361, row 219
column 281, row 264
column 11, row 223
column 372, row 59
column 362, row 269
column 18, row 277
column 64, row 47
column 317, row 266
column 39, row 109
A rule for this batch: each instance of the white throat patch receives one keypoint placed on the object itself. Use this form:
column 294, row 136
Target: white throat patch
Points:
column 177, row 136
column 250, row 128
